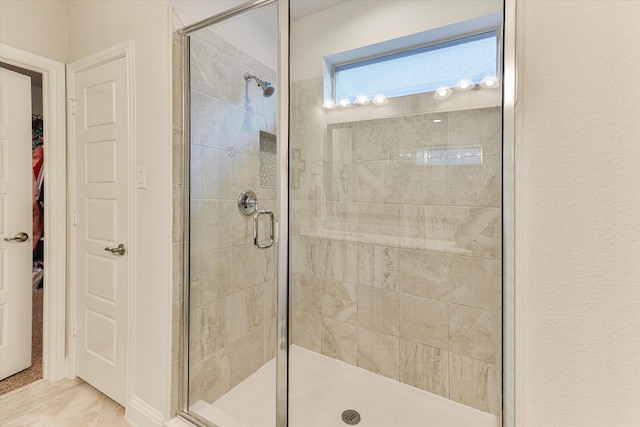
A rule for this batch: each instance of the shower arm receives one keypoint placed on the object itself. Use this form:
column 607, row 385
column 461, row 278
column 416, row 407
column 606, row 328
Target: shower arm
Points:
column 261, row 83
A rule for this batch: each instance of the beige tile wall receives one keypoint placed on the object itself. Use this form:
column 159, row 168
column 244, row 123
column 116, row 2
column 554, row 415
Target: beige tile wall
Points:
column 232, row 289
column 405, row 259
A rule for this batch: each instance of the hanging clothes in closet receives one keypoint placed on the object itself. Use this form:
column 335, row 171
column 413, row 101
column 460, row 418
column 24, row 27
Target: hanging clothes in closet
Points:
column 38, row 214
column 37, row 199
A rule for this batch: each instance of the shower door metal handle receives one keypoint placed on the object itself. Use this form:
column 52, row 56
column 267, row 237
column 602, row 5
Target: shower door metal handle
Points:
column 256, row 220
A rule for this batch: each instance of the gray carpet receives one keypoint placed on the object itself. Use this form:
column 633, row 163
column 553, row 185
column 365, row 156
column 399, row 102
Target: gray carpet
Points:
column 33, row 373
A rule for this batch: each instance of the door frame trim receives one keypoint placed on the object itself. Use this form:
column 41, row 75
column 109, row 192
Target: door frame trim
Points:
column 121, row 50
column 54, row 363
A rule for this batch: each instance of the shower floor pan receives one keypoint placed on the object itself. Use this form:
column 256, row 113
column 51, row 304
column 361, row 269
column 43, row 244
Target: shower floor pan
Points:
column 322, row 388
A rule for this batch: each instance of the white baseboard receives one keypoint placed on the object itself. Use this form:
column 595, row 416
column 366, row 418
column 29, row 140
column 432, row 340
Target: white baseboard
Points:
column 141, row 414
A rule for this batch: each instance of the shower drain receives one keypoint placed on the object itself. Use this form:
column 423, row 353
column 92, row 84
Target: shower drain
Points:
column 351, row 417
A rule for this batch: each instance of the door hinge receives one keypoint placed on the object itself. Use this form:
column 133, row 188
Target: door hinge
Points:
column 75, row 217
column 74, row 329
column 73, row 106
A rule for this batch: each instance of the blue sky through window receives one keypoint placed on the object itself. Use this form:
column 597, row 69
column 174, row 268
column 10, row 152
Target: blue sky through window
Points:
column 419, row 70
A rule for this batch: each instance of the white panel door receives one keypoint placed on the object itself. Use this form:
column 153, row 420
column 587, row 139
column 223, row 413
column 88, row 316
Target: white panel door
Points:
column 15, row 217
column 101, row 145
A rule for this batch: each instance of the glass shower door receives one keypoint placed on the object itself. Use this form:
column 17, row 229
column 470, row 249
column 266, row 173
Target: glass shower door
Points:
column 395, row 195
column 394, row 207
column 233, row 211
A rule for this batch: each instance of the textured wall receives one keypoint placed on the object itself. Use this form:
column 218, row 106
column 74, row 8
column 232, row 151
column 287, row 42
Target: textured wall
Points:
column 94, row 26
column 36, row 26
column 395, row 264
column 578, row 214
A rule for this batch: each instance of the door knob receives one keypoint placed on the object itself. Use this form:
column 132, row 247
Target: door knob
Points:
column 19, row 237
column 120, row 250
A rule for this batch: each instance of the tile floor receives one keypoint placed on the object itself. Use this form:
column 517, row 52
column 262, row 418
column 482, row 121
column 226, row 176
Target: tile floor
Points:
column 66, row 403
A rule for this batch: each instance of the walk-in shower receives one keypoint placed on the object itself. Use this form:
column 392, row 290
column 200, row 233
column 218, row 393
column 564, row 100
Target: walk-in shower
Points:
column 343, row 258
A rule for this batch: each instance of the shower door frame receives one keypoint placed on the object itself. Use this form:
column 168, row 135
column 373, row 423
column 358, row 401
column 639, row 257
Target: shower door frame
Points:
column 282, row 308
column 509, row 296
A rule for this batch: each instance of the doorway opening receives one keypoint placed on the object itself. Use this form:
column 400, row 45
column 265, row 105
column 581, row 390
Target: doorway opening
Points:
column 34, row 372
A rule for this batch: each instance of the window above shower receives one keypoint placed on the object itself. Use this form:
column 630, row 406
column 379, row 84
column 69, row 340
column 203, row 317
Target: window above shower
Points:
column 460, row 56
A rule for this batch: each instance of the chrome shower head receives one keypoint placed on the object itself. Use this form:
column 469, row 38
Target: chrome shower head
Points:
column 267, row 89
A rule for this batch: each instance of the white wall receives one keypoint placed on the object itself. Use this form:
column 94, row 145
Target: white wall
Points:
column 363, row 22
column 578, row 214
column 93, row 26
column 36, row 26
column 190, row 11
